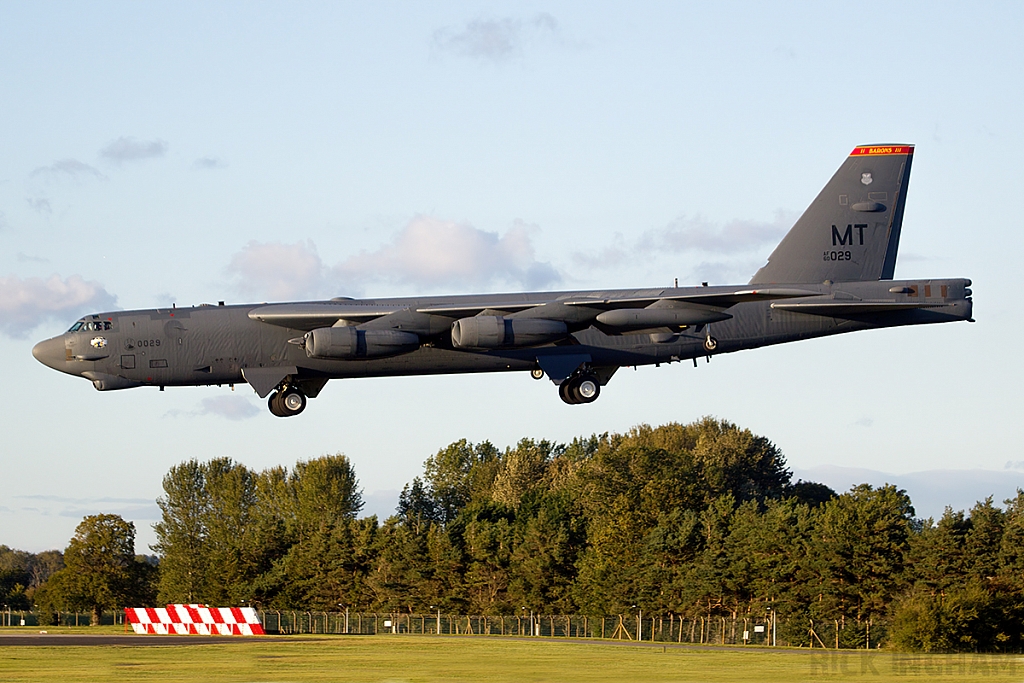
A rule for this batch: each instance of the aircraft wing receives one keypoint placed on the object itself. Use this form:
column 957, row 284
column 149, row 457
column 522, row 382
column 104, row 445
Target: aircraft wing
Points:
column 715, row 299
column 309, row 316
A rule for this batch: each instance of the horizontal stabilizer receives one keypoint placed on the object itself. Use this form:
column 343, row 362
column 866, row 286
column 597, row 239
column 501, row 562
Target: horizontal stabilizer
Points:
column 840, row 308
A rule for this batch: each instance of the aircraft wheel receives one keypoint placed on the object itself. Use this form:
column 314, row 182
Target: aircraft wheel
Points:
column 710, row 344
column 586, row 389
column 537, row 373
column 566, row 393
column 274, row 403
column 291, row 402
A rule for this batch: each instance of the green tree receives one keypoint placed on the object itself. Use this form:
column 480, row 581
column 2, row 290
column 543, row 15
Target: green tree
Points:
column 325, row 490
column 521, row 470
column 182, row 534
column 543, row 563
column 487, row 535
column 459, row 473
column 862, row 540
column 15, row 577
column 101, row 570
column 938, row 552
column 965, row 618
column 416, row 506
column 13, row 584
column 237, row 546
column 220, row 532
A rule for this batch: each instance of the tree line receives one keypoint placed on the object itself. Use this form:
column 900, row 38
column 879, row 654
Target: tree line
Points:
column 690, row 520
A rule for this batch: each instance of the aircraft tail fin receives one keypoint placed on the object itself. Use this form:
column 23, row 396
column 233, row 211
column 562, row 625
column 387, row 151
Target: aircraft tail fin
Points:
column 851, row 231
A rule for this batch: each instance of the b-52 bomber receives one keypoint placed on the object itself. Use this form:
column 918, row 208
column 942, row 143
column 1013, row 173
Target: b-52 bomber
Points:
column 832, row 273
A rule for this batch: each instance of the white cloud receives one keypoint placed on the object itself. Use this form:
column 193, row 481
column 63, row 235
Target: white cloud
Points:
column 133, row 149
column 278, row 272
column 430, row 252
column 28, row 258
column 26, row 303
column 721, row 272
column 495, row 40
column 165, row 299
column 70, row 168
column 700, row 234
column 616, row 254
column 732, row 251
column 208, row 163
column 81, row 501
column 40, row 205
column 231, row 407
column 66, row 506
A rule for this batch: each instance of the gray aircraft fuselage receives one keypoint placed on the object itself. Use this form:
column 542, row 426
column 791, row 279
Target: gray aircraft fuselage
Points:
column 841, row 253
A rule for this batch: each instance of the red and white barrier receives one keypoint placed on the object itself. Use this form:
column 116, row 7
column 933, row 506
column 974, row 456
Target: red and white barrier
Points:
column 195, row 620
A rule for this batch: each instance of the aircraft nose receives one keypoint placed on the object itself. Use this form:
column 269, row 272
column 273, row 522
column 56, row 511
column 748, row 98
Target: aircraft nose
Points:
column 51, row 353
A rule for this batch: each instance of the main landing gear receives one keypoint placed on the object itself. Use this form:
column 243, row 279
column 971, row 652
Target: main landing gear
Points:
column 583, row 387
column 287, row 402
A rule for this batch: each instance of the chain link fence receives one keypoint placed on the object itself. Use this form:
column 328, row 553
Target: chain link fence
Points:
column 31, row 618
column 829, row 634
column 631, row 627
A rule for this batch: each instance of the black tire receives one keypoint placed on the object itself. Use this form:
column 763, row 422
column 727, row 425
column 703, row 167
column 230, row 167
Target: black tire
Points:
column 537, row 373
column 710, row 344
column 274, row 404
column 566, row 391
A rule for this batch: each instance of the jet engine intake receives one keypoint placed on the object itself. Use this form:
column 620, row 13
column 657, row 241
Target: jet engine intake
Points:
column 350, row 342
column 640, row 318
column 495, row 332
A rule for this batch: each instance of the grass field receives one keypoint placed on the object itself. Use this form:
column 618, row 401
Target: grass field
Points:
column 432, row 658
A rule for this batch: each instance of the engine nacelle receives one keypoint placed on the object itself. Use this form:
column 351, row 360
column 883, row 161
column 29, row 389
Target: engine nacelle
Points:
column 349, row 342
column 639, row 318
column 495, row 332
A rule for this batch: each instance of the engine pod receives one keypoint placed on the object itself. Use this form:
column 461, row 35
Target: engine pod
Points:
column 350, row 342
column 660, row 317
column 495, row 332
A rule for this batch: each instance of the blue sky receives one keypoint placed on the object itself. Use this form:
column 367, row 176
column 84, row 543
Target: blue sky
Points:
column 196, row 152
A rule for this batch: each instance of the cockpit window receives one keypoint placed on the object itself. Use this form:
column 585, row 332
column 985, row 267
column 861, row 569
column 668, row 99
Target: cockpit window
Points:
column 92, row 326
